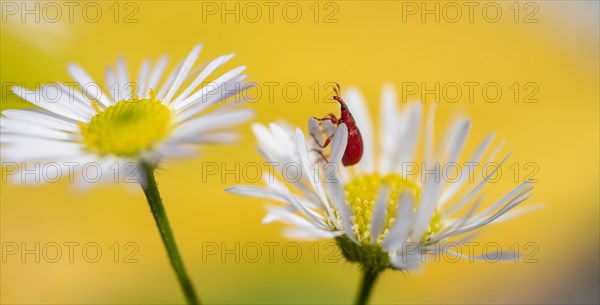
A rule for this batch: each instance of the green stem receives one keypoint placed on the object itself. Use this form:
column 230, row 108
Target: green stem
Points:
column 368, row 282
column 162, row 222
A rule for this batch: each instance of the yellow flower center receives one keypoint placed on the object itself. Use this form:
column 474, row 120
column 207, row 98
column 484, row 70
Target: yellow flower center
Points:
column 127, row 128
column 361, row 193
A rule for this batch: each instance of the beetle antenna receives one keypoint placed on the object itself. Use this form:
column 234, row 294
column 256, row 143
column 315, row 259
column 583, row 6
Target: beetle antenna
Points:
column 340, row 100
column 337, row 96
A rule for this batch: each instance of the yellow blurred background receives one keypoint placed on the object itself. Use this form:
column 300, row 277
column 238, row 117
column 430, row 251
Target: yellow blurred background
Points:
column 551, row 44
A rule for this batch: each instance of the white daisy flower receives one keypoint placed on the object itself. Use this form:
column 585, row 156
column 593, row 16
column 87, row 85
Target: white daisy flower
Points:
column 141, row 122
column 392, row 207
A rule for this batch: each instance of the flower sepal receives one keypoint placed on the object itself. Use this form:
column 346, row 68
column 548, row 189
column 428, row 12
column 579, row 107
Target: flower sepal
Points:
column 368, row 256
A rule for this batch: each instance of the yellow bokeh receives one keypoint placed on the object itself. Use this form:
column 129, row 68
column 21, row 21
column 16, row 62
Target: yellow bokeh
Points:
column 548, row 111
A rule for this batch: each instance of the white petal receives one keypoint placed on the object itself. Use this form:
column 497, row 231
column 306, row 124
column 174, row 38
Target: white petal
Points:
column 511, row 204
column 408, row 138
column 15, row 128
column 105, row 169
column 400, row 229
column 63, row 105
column 427, row 204
column 457, row 223
column 183, row 72
column 455, row 139
column 291, row 199
column 181, row 150
column 328, row 128
column 475, row 190
column 212, row 122
column 210, row 68
column 336, row 192
column 113, row 85
column 429, row 134
column 41, row 118
column 87, row 84
column 39, row 150
column 338, row 145
column 285, row 214
column 453, row 188
column 206, row 138
column 125, row 87
column 495, row 152
column 254, row 191
column 407, row 261
column 455, row 143
column 265, row 138
column 523, row 186
column 50, row 171
column 213, row 96
column 157, row 71
column 378, row 218
column 388, row 128
column 313, row 175
column 266, row 193
column 489, row 257
column 285, row 140
column 518, row 212
column 77, row 101
column 203, row 95
column 314, row 131
column 305, row 234
column 142, row 80
column 167, row 84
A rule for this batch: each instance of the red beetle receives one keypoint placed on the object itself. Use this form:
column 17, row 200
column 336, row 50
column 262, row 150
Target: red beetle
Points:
column 354, row 147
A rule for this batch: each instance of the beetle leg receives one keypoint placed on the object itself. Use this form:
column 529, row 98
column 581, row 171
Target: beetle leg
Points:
column 334, row 120
column 331, row 117
column 321, row 154
column 327, row 141
column 316, row 140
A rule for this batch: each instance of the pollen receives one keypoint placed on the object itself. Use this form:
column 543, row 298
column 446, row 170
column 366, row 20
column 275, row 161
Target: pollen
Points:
column 127, row 128
column 361, row 193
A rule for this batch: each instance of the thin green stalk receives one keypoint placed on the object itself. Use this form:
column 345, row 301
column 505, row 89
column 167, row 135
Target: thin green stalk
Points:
column 368, row 282
column 162, row 222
